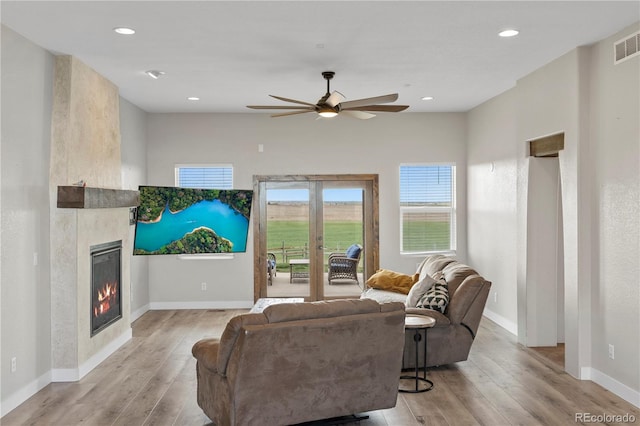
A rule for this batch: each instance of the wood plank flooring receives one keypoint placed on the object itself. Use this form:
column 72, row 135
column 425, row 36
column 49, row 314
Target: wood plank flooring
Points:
column 151, row 381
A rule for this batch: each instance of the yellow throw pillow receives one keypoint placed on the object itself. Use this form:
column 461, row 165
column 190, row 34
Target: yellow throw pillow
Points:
column 388, row 280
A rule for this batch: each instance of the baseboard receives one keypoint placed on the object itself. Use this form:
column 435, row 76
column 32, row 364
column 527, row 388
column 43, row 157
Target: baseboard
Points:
column 230, row 304
column 503, row 322
column 139, row 312
column 24, row 393
column 630, row 395
column 75, row 374
column 62, row 375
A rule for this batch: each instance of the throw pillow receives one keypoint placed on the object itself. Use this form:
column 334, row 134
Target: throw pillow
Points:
column 436, row 298
column 353, row 251
column 418, row 290
column 388, row 280
column 438, row 276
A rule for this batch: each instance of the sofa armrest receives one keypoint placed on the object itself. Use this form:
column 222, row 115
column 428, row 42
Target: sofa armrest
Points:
column 206, row 352
column 464, row 297
column 342, row 260
column 230, row 335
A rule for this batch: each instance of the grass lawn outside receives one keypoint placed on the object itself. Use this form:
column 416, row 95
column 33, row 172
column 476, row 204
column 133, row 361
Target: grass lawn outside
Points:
column 425, row 235
column 292, row 236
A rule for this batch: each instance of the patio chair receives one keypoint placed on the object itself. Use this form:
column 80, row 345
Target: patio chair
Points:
column 345, row 265
column 271, row 268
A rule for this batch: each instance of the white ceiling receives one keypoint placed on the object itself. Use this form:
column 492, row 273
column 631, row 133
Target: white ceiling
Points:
column 236, row 53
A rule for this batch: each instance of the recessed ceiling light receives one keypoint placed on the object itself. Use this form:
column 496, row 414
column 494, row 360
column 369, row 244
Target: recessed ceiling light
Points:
column 427, row 98
column 155, row 74
column 124, row 30
column 193, row 98
column 508, row 33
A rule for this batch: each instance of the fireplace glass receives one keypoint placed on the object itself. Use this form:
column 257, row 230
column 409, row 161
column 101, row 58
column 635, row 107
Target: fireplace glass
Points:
column 105, row 285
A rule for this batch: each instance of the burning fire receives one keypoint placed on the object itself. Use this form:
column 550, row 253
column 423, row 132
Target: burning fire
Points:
column 106, row 296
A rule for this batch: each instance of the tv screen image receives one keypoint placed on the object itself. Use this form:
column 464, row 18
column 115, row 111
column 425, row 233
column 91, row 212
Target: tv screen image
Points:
column 173, row 220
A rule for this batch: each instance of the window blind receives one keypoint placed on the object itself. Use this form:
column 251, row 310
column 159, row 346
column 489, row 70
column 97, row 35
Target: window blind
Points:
column 209, row 177
column 427, row 208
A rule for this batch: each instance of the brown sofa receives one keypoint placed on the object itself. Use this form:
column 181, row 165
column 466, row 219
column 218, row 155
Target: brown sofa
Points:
column 451, row 338
column 299, row 362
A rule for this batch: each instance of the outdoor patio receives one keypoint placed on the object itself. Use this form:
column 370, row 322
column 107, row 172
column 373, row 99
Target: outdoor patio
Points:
column 299, row 287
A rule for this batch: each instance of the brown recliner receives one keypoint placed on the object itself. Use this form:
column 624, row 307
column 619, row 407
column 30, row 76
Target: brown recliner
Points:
column 299, row 362
column 451, row 338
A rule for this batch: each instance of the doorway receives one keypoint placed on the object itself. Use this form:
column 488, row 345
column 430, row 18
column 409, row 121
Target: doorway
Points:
column 301, row 221
column 545, row 325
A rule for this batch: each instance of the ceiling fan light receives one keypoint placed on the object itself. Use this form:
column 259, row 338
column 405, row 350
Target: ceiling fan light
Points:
column 124, row 30
column 511, row 32
column 327, row 113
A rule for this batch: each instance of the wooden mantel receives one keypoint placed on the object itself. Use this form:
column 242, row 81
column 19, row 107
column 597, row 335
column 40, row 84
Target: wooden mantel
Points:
column 82, row 197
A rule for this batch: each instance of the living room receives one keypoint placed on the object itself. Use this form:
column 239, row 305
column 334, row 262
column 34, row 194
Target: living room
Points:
column 581, row 94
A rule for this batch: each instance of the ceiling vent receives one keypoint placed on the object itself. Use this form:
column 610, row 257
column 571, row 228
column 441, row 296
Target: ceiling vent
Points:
column 626, row 48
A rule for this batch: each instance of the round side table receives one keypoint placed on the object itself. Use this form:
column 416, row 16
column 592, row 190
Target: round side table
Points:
column 417, row 323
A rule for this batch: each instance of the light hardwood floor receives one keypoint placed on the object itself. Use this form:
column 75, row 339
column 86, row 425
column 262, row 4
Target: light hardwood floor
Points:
column 151, row 381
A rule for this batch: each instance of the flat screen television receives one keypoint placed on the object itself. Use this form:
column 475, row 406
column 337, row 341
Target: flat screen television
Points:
column 173, row 220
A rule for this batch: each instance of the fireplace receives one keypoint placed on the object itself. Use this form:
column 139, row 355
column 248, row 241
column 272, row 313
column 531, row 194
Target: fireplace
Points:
column 105, row 285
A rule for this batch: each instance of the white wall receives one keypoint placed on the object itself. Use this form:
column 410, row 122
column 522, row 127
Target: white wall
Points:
column 615, row 292
column 491, row 203
column 133, row 146
column 26, row 126
column 294, row 145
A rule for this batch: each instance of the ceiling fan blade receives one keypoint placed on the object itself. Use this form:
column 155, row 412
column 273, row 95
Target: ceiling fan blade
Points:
column 279, row 107
column 284, row 114
column 385, row 108
column 335, row 98
column 370, row 101
column 292, row 100
column 358, row 114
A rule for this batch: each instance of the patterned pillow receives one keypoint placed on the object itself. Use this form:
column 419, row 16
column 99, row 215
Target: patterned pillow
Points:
column 418, row 290
column 436, row 298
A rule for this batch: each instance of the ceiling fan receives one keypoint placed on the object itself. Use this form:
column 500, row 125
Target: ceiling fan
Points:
column 332, row 104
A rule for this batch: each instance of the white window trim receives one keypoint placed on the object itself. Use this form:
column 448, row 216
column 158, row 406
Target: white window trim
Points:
column 453, row 236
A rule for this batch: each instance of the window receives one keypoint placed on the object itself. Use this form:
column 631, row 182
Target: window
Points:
column 210, row 176
column 427, row 208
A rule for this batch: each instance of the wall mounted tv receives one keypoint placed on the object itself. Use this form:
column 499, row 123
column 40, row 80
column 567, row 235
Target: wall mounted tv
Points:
column 174, row 220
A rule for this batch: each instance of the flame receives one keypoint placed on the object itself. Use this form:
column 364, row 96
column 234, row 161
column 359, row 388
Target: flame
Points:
column 106, row 296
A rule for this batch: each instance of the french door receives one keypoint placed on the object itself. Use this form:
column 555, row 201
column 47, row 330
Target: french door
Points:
column 299, row 220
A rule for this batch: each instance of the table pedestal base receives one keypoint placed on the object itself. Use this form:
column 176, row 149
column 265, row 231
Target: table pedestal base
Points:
column 417, row 337
column 418, row 380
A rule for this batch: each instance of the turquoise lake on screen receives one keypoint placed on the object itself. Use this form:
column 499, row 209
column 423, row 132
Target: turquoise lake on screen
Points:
column 215, row 215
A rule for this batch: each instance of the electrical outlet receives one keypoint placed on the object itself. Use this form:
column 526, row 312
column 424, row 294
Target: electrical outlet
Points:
column 495, row 297
column 14, row 364
column 204, row 286
column 611, row 351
